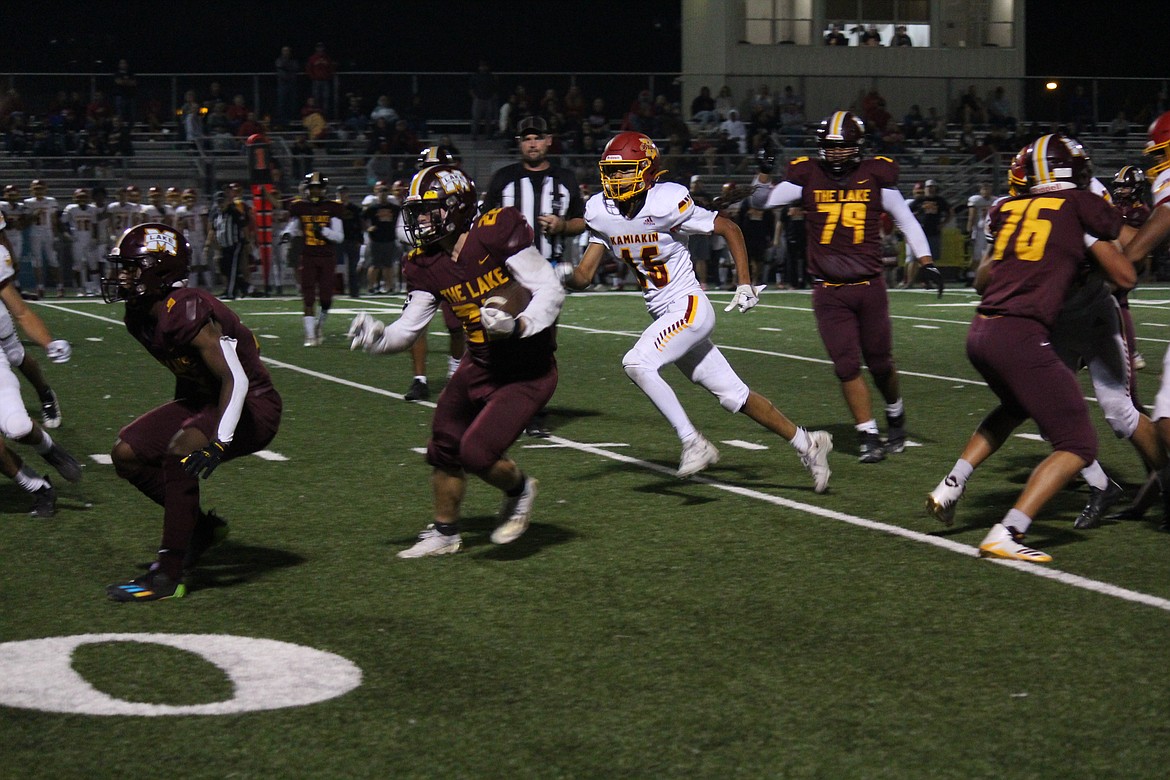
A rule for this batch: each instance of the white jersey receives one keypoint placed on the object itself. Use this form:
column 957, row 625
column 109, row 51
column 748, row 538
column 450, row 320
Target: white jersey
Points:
column 14, row 213
column 654, row 241
column 153, row 213
column 7, row 267
column 122, row 215
column 1161, row 190
column 192, row 222
column 80, row 222
column 980, row 206
column 42, row 213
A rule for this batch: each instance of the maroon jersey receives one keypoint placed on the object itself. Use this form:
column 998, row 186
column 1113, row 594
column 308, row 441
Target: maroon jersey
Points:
column 314, row 215
column 168, row 339
column 1134, row 213
column 1039, row 248
column 843, row 217
column 466, row 282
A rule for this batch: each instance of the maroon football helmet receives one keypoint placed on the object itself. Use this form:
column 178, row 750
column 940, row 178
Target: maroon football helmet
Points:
column 149, row 260
column 629, row 166
column 441, row 202
column 1054, row 162
column 840, row 137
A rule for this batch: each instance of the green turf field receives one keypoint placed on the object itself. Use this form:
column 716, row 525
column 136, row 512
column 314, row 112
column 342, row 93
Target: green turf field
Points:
column 733, row 625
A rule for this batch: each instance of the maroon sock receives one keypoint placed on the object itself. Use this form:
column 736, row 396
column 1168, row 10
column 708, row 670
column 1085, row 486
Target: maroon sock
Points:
column 181, row 507
column 149, row 481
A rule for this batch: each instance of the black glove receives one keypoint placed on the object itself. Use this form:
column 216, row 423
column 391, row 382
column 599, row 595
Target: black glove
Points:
column 765, row 161
column 284, row 238
column 933, row 276
column 205, row 460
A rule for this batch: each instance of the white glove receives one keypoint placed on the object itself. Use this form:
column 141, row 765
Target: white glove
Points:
column 365, row 331
column 497, row 323
column 564, row 273
column 59, row 351
column 746, row 296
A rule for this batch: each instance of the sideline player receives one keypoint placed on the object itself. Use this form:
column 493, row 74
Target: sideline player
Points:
column 224, row 406
column 42, row 234
column 843, row 197
column 79, row 222
column 646, row 224
column 1040, row 240
column 318, row 221
column 510, row 369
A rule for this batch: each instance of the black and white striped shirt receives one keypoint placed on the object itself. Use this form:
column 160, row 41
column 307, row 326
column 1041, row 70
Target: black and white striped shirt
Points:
column 551, row 191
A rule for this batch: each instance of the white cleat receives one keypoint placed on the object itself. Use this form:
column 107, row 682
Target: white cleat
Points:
column 515, row 513
column 431, row 542
column 816, row 460
column 1005, row 542
column 696, row 456
column 941, row 502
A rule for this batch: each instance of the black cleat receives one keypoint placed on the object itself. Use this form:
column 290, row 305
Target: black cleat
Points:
column 152, row 586
column 419, row 391
column 44, row 501
column 872, row 449
column 536, row 430
column 50, row 410
column 66, row 465
column 1100, row 502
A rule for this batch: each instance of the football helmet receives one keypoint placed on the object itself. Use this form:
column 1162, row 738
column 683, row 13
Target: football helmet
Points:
column 37, row 188
column 435, row 155
column 81, row 195
column 441, row 202
column 315, row 184
column 11, row 191
column 1053, row 162
column 840, row 137
column 629, row 166
column 148, row 260
column 1158, row 147
column 1129, row 185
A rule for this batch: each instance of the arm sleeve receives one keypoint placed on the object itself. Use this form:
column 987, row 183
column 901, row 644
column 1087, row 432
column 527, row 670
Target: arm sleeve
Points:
column 231, row 414
column 895, row 205
column 400, row 334
column 335, row 232
column 781, row 195
column 293, row 227
column 530, row 268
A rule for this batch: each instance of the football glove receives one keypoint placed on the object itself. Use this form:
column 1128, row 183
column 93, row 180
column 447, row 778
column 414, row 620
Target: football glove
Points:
column 746, row 296
column 497, row 323
column 364, row 332
column 205, row 460
column 59, row 351
column 564, row 272
column 765, row 161
column 933, row 276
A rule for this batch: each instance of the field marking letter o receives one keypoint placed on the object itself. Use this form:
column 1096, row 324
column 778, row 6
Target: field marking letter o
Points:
column 38, row 674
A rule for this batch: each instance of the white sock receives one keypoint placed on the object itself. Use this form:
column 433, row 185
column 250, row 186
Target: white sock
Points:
column 422, row 379
column 896, row 409
column 1017, row 520
column 1095, row 475
column 961, row 471
column 310, row 326
column 870, row 426
column 452, row 366
column 800, row 441
column 29, row 480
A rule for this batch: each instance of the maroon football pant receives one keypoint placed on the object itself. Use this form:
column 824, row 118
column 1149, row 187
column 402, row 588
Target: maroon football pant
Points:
column 854, row 323
column 317, row 277
column 477, row 418
column 1015, row 357
column 162, row 478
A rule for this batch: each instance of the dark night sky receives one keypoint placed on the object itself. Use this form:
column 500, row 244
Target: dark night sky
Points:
column 540, row 35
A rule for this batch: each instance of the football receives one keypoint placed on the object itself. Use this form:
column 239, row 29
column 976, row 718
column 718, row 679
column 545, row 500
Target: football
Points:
column 511, row 297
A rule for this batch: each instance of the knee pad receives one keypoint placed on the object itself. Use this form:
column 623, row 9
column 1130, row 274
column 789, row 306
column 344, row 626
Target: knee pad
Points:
column 1121, row 415
column 13, row 349
column 15, row 423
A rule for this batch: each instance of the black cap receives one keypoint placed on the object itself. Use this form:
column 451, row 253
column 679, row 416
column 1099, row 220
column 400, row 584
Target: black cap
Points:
column 532, row 125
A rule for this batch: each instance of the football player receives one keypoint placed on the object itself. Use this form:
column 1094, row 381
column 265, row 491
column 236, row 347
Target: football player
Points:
column 510, row 370
column 1035, row 258
column 79, row 222
column 318, row 221
column 42, row 233
column 1130, row 194
column 646, row 223
column 15, row 422
column 224, row 406
column 16, row 216
column 1151, row 234
column 157, row 209
column 191, row 220
column 843, row 197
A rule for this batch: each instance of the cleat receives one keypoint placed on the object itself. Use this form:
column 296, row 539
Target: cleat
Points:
column 419, row 391
column 1005, row 542
column 941, row 502
column 44, row 502
column 50, row 410
column 696, row 456
column 431, row 542
column 311, row 341
column 66, row 465
column 1139, row 361
column 872, row 449
column 896, row 434
column 514, row 514
column 1100, row 502
column 152, row 586
column 536, row 430
column 210, row 530
column 816, row 460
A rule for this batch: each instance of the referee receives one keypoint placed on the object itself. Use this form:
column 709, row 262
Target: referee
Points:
column 548, row 197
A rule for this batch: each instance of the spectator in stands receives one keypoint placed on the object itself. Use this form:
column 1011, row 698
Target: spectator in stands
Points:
column 999, row 110
column 237, row 111
column 1119, row 128
column 123, row 90
column 967, row 141
column 484, row 89
column 792, row 122
column 16, row 136
column 191, row 120
column 971, row 109
column 249, row 126
column 597, row 120
column 893, row 140
column 153, row 115
column 356, row 121
column 383, row 110
column 415, row 116
column 791, row 100
column 703, row 109
column 402, row 140
column 98, row 112
column 914, row 124
column 762, row 101
column 116, row 140
column 901, row 37
column 313, row 120
column 446, row 143
column 506, row 125
column 321, row 69
column 287, row 70
column 1080, row 111
column 573, row 107
column 937, row 125
column 378, row 137
column 735, row 130
column 724, row 102
column 835, row 37
column 876, row 116
column 219, row 128
column 870, row 36
column 214, row 95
